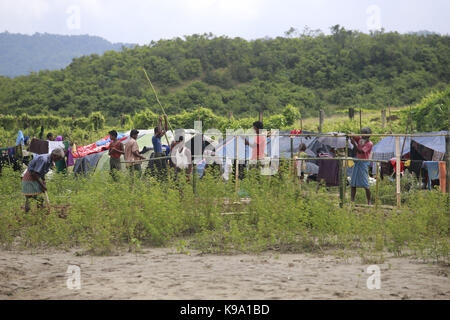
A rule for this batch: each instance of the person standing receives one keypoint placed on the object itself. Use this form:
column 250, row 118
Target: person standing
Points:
column 116, row 149
column 33, row 182
column 182, row 159
column 360, row 174
column 160, row 162
column 132, row 153
column 50, row 137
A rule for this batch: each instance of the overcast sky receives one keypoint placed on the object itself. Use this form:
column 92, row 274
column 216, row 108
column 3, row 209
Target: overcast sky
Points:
column 140, row 21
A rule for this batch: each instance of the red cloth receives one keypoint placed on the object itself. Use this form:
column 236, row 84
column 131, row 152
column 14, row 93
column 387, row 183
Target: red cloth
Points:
column 363, row 152
column 113, row 153
column 82, row 151
column 296, row 131
column 259, row 147
column 394, row 164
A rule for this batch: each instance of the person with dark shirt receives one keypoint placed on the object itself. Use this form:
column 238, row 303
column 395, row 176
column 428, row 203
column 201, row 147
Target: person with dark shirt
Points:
column 50, row 137
column 160, row 164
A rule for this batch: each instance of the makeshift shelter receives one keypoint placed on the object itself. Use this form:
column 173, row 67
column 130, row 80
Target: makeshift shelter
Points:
column 144, row 142
column 417, row 149
column 99, row 161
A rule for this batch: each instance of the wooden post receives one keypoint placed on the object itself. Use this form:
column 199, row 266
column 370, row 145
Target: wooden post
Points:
column 230, row 115
column 321, row 116
column 351, row 113
column 448, row 163
column 377, row 188
column 389, row 120
column 261, row 116
column 236, row 182
column 397, row 164
column 346, row 165
column 383, row 118
column 360, row 120
column 341, row 184
column 194, row 178
column 301, row 124
column 291, row 163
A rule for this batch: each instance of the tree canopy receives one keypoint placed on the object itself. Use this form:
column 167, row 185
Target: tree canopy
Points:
column 309, row 71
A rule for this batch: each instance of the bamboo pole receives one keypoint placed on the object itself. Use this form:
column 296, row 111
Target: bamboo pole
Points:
column 448, row 164
column 397, row 175
column 360, row 119
column 321, row 116
column 164, row 112
column 237, row 166
column 291, row 163
column 194, row 178
column 346, row 166
column 377, row 188
column 341, row 184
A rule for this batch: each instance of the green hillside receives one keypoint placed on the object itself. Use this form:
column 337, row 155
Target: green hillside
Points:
column 311, row 71
column 22, row 54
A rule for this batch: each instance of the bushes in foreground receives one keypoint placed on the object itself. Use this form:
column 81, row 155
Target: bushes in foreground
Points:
column 102, row 216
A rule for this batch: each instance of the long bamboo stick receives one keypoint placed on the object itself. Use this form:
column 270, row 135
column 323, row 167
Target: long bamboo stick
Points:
column 397, row 175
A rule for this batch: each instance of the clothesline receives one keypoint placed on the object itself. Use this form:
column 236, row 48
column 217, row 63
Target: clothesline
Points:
column 283, row 159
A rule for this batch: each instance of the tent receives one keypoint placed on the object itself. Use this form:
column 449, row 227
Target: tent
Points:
column 385, row 149
column 100, row 161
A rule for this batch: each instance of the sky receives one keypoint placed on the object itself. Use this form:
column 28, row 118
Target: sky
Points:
column 141, row 21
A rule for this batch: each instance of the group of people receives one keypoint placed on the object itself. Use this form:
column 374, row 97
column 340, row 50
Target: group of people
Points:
column 159, row 159
column 33, row 181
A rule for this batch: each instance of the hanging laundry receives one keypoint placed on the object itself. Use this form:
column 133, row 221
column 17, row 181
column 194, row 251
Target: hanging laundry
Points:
column 394, row 164
column 329, row 171
column 99, row 146
column 442, row 176
column 438, row 156
column 20, row 138
column 70, row 161
column 38, row 146
column 52, row 145
column 433, row 171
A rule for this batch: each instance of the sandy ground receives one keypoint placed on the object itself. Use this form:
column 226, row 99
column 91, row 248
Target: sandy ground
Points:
column 166, row 274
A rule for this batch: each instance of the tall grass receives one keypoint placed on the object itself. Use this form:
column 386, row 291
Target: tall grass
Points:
column 103, row 215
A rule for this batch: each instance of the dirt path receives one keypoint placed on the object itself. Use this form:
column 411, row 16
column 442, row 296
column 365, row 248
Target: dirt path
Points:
column 165, row 274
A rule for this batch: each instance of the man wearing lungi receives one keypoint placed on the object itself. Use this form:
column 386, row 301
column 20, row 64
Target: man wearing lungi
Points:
column 33, row 182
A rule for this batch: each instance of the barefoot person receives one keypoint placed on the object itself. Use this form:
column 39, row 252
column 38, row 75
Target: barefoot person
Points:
column 33, row 182
column 360, row 175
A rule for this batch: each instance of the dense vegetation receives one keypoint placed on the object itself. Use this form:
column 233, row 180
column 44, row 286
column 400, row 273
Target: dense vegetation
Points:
column 309, row 71
column 281, row 216
column 430, row 114
column 22, row 54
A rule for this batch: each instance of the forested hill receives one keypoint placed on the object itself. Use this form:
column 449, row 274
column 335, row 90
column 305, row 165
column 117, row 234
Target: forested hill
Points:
column 309, row 70
column 21, row 54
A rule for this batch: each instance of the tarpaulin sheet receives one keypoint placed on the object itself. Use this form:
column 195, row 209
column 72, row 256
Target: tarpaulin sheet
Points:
column 96, row 147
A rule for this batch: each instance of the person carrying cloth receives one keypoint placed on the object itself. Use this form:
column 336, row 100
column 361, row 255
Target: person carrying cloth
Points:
column 161, row 164
column 33, row 182
column 360, row 174
column 116, row 149
column 132, row 153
